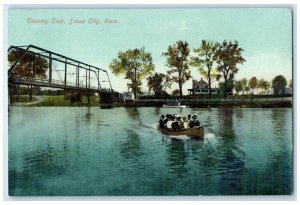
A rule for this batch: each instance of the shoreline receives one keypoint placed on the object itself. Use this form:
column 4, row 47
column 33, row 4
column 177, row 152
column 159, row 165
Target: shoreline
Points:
column 279, row 102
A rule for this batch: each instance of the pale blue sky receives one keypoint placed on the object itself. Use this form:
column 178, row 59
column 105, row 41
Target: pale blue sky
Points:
column 265, row 34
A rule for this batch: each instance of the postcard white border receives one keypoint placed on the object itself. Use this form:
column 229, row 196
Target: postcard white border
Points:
column 119, row 4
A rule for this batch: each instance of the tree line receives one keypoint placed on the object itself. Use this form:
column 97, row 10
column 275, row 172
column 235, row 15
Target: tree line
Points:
column 213, row 60
column 262, row 85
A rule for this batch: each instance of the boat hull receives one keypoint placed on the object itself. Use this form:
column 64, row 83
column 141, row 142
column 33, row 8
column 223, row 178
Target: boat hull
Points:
column 192, row 132
column 175, row 106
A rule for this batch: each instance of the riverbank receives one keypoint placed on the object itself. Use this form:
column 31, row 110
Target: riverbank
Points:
column 281, row 102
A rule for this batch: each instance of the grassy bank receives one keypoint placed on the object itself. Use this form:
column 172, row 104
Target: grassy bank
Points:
column 61, row 100
column 58, row 100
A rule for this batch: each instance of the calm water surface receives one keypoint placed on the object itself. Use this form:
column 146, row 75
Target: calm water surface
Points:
column 89, row 151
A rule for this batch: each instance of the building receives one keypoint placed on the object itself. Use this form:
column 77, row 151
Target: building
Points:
column 201, row 88
column 128, row 96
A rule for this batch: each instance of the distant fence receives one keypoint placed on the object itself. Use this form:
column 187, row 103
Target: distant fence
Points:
column 206, row 100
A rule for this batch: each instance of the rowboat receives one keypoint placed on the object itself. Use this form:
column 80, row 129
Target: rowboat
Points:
column 175, row 106
column 197, row 132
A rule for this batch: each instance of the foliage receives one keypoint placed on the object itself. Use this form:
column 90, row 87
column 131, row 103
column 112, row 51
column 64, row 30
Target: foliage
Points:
column 253, row 83
column 204, row 61
column 176, row 92
column 158, row 82
column 135, row 65
column 229, row 86
column 25, row 65
column 264, row 85
column 28, row 64
column 177, row 61
column 238, row 86
column 280, row 81
column 227, row 56
column 244, row 84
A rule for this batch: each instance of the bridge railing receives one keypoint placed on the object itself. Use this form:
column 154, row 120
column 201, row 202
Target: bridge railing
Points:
column 45, row 80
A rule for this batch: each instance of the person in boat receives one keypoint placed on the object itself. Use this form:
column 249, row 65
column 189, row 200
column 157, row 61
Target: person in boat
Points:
column 167, row 119
column 161, row 121
column 195, row 121
column 175, row 123
column 190, row 121
column 185, row 122
column 169, row 122
column 180, row 123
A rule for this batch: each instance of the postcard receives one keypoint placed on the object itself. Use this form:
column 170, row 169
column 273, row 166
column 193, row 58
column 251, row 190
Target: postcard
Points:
column 150, row 101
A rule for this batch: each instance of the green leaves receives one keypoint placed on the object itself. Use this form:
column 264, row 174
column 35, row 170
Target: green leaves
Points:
column 178, row 62
column 158, row 82
column 227, row 56
column 204, row 61
column 135, row 65
column 279, row 81
column 24, row 67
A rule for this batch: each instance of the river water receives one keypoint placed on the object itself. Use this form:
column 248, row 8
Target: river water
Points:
column 90, row 152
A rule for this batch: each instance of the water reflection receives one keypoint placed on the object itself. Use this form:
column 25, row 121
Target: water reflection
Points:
column 62, row 156
column 157, row 111
column 131, row 148
column 133, row 112
column 177, row 157
column 280, row 167
column 231, row 166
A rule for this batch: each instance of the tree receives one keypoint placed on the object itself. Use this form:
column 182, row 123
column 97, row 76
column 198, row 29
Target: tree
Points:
column 177, row 61
column 30, row 65
column 228, row 55
column 158, row 82
column 238, row 86
column 176, row 92
column 228, row 88
column 253, row 84
column 204, row 61
column 279, row 81
column 247, row 89
column 135, row 65
column 264, row 85
column 244, row 82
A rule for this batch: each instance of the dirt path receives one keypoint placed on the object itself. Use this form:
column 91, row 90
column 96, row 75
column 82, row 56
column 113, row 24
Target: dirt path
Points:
column 38, row 100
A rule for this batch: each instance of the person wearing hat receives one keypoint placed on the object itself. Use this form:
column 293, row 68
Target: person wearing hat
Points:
column 195, row 121
column 161, row 121
column 180, row 122
column 192, row 122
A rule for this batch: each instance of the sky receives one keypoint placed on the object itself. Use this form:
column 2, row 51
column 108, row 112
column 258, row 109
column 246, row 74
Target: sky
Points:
column 265, row 34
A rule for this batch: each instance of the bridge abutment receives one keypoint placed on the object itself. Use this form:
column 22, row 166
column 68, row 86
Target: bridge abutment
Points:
column 106, row 100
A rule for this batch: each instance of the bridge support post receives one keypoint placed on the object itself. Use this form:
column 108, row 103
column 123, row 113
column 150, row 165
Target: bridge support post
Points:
column 50, row 68
column 106, row 100
column 66, row 72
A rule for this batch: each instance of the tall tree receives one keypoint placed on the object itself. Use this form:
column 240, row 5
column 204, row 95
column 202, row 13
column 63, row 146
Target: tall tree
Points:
column 228, row 88
column 244, row 82
column 253, row 84
column 29, row 65
column 238, row 86
column 280, row 81
column 264, row 85
column 177, row 61
column 228, row 55
column 158, row 82
column 135, row 65
column 204, row 61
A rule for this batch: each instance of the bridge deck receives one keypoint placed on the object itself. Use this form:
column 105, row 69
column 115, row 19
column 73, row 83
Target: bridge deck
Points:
column 44, row 82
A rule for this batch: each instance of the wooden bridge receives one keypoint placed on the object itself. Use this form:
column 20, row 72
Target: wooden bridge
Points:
column 59, row 71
